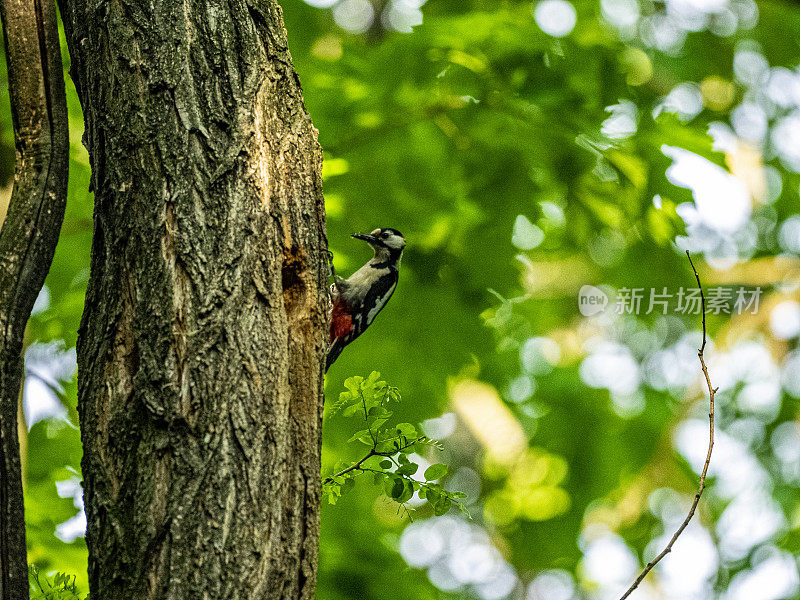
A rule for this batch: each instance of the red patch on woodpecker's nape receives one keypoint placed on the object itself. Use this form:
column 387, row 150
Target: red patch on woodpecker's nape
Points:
column 341, row 321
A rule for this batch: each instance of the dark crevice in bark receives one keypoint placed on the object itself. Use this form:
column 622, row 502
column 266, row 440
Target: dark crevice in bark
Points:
column 294, row 287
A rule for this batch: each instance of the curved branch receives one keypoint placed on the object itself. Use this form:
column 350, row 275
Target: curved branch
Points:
column 711, row 392
column 27, row 239
column 373, row 452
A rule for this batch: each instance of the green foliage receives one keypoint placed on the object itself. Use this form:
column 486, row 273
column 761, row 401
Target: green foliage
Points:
column 60, row 587
column 392, row 450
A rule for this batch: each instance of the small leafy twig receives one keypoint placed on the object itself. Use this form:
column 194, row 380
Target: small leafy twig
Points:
column 395, row 445
column 373, row 452
column 711, row 392
column 61, row 587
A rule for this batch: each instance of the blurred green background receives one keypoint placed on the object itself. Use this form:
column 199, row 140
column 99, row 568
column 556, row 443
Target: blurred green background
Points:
column 527, row 149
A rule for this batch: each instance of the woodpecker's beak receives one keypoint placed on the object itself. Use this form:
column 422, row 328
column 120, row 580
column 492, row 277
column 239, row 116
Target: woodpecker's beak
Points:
column 367, row 237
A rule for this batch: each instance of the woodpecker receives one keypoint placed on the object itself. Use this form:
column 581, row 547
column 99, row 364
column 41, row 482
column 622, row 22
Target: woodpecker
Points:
column 358, row 299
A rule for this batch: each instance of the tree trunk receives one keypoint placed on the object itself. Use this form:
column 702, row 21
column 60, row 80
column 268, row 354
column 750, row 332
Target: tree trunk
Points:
column 27, row 239
column 201, row 350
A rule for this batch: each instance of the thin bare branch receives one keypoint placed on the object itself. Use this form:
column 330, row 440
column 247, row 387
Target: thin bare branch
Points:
column 711, row 392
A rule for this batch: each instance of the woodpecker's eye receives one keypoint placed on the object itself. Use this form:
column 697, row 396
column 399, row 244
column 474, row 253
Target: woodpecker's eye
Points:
column 385, row 234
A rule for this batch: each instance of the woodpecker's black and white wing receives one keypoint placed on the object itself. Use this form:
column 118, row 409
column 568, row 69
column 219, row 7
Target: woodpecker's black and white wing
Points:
column 373, row 303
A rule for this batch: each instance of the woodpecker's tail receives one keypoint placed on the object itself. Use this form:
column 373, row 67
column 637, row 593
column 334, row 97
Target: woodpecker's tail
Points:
column 333, row 352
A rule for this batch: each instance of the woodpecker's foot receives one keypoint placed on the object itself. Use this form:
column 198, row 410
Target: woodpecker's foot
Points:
column 330, row 263
column 333, row 289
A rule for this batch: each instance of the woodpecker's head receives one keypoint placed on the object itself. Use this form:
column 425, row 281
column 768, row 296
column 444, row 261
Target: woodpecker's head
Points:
column 388, row 243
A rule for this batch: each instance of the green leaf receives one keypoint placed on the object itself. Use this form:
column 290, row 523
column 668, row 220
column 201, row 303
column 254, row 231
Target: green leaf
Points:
column 441, row 506
column 407, row 469
column 354, row 385
column 406, row 430
column 360, row 435
column 432, row 493
column 351, row 410
column 379, row 412
column 406, row 492
column 386, row 464
column 394, row 487
column 344, row 399
column 435, row 472
column 375, row 425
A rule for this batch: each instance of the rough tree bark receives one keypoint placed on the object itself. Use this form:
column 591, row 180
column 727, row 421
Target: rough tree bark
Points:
column 201, row 348
column 27, row 239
